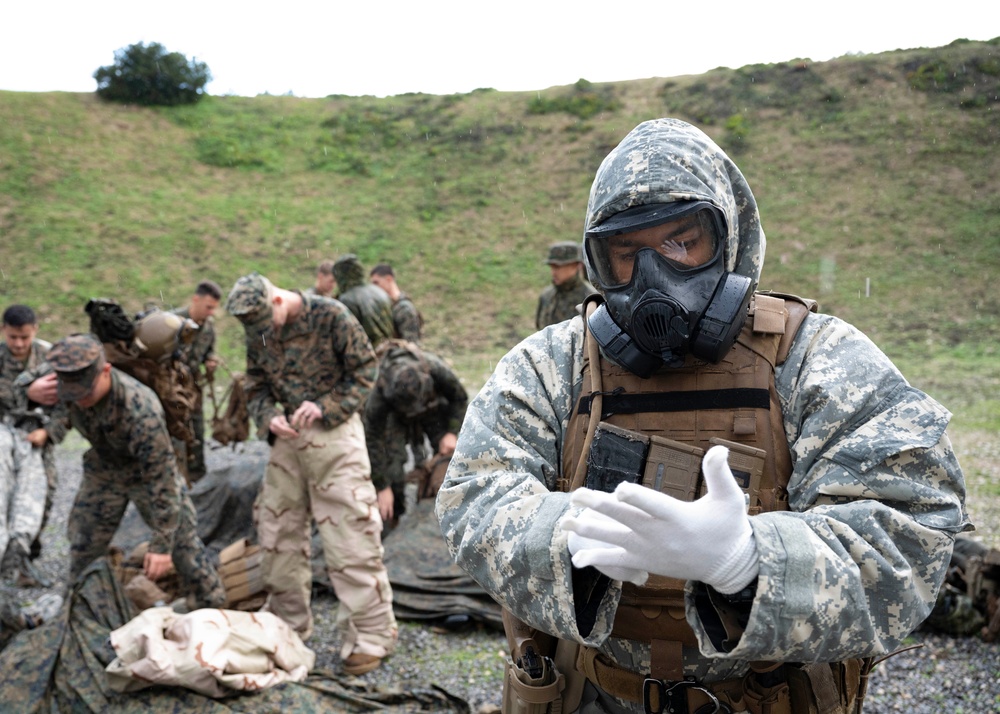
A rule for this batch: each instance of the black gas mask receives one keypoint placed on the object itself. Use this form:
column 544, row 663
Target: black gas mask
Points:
column 666, row 291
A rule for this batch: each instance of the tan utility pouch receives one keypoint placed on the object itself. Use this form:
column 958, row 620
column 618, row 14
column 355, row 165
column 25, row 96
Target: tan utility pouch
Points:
column 240, row 570
column 524, row 694
column 821, row 688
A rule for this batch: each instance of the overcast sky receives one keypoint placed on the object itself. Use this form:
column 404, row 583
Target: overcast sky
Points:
column 316, row 48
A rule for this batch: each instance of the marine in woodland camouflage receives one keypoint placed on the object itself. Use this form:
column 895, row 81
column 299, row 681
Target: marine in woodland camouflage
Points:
column 202, row 347
column 561, row 302
column 876, row 494
column 388, row 429
column 369, row 303
column 323, row 356
column 132, row 459
column 195, row 354
column 406, row 319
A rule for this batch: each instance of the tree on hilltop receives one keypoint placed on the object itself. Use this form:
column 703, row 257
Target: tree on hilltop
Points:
column 148, row 74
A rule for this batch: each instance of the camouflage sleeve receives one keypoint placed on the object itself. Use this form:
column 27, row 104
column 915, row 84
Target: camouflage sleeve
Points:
column 360, row 368
column 497, row 512
column 58, row 423
column 876, row 498
column 448, row 385
column 406, row 320
column 261, row 402
column 149, row 444
column 376, row 418
column 210, row 342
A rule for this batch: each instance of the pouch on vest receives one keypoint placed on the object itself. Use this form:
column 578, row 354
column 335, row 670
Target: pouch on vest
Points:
column 623, row 456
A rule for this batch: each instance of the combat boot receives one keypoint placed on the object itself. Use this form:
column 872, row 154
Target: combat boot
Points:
column 359, row 663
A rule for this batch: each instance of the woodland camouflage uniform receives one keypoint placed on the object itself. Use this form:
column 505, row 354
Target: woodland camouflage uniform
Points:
column 406, row 320
column 417, row 394
column 195, row 354
column 559, row 302
column 321, row 356
column 369, row 303
column 876, row 494
column 131, row 458
column 52, row 419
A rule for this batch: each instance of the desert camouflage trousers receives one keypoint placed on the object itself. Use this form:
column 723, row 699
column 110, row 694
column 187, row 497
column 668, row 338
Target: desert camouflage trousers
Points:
column 100, row 504
column 22, row 489
column 325, row 475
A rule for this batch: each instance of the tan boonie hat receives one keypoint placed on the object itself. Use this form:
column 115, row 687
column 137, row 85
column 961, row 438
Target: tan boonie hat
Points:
column 77, row 361
column 564, row 252
column 250, row 299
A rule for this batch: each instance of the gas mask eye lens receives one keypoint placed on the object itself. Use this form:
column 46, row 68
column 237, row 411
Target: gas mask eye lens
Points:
column 689, row 241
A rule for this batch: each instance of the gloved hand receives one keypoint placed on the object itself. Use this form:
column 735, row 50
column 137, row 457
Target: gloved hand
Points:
column 578, row 544
column 709, row 540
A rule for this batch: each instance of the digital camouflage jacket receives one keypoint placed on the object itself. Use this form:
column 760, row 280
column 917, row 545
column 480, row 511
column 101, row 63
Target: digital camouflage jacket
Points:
column 321, row 356
column 126, row 429
column 876, row 493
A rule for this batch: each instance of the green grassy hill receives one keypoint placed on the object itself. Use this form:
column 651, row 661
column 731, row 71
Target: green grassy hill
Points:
column 877, row 177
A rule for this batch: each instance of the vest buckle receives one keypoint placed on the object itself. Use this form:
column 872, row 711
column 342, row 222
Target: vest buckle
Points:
column 659, row 697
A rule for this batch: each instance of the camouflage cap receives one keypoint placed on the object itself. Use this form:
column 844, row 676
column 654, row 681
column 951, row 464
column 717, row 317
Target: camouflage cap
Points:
column 564, row 253
column 77, row 361
column 250, row 299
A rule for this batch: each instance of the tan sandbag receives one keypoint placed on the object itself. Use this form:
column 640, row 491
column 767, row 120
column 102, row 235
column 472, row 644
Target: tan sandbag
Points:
column 240, row 570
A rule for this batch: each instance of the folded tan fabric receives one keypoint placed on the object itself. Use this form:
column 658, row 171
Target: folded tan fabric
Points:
column 214, row 652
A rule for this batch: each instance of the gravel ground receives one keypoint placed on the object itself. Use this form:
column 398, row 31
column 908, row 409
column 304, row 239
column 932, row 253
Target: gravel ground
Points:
column 945, row 674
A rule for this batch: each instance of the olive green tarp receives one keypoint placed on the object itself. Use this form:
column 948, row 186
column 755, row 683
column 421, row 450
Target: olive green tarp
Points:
column 427, row 585
column 59, row 667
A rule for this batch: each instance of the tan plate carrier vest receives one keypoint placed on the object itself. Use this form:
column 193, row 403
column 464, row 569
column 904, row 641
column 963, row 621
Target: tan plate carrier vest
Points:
column 698, row 404
column 683, row 412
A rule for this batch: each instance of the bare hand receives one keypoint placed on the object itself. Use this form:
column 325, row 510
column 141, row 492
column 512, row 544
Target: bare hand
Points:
column 386, row 502
column 306, row 414
column 446, row 447
column 280, row 427
column 156, row 565
column 38, row 437
column 44, row 390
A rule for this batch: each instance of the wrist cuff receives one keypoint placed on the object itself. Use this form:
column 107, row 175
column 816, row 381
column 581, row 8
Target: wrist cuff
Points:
column 738, row 570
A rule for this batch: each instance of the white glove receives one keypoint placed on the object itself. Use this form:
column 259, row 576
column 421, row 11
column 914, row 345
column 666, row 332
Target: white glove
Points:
column 709, row 540
column 578, row 544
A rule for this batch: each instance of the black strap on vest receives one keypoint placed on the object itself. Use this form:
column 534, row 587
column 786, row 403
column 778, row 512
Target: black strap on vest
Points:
column 738, row 398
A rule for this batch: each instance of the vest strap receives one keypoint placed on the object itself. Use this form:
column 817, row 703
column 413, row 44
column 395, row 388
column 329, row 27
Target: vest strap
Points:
column 737, row 398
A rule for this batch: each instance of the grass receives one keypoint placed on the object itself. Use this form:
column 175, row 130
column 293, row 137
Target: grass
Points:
column 869, row 170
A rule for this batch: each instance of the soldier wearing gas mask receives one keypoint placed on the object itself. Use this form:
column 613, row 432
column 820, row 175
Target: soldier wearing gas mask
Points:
column 698, row 497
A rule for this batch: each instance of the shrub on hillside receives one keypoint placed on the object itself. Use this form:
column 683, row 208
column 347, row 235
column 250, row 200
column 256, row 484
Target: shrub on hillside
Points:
column 149, row 75
column 584, row 101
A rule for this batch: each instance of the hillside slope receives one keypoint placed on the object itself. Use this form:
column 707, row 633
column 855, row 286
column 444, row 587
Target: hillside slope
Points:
column 877, row 178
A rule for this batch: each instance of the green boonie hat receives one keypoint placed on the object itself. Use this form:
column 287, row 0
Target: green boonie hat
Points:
column 564, row 252
column 77, row 361
column 249, row 300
